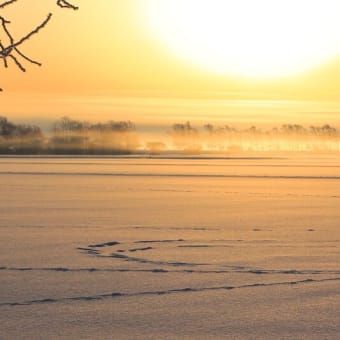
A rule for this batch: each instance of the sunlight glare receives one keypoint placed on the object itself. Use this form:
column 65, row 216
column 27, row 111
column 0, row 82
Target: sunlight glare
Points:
column 251, row 38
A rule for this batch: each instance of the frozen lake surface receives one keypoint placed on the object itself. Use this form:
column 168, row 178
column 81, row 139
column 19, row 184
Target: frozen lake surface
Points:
column 102, row 248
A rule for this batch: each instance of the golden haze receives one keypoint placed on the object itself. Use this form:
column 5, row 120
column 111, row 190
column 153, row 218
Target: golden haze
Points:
column 106, row 54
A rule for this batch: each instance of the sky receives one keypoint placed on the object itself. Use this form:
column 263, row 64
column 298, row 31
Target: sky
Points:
column 106, row 61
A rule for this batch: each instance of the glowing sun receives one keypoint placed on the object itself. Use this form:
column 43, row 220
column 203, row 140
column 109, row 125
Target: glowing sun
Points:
column 251, row 38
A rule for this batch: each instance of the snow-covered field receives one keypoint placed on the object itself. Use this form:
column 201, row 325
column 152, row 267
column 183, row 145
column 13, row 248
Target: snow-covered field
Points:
column 118, row 248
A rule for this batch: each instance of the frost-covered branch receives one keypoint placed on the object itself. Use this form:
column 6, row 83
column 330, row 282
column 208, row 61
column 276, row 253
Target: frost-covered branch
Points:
column 65, row 4
column 10, row 47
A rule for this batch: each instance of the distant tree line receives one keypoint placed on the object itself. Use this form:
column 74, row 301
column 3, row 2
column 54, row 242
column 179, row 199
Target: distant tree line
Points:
column 19, row 138
column 69, row 136
column 287, row 137
column 73, row 136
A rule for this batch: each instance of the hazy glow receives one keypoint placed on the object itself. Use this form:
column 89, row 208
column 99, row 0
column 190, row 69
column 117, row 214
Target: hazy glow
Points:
column 256, row 38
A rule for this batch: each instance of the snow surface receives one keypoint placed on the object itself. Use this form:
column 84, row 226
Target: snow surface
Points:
column 100, row 248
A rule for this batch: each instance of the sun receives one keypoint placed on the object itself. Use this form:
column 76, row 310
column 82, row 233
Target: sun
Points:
column 250, row 38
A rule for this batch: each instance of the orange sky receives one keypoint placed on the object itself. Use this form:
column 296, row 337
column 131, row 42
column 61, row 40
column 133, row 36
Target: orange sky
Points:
column 101, row 62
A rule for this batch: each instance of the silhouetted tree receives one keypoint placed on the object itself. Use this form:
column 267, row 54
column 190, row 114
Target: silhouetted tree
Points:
column 19, row 138
column 6, row 128
column 185, row 137
column 293, row 129
column 216, row 138
column 10, row 130
column 114, row 137
column 74, row 136
column 69, row 136
column 325, row 130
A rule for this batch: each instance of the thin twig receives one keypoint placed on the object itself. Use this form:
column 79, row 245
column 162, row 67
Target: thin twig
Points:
column 11, row 49
column 35, row 31
column 6, row 3
column 65, row 4
column 27, row 58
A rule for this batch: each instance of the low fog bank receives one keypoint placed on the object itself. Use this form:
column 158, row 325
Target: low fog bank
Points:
column 75, row 137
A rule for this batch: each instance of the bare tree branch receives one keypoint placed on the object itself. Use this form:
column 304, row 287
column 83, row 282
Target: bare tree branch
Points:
column 6, row 3
column 11, row 49
column 65, row 4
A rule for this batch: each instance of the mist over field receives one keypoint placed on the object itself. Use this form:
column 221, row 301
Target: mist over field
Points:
column 69, row 136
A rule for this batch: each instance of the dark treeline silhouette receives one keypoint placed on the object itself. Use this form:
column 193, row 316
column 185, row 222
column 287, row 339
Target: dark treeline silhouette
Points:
column 19, row 138
column 287, row 137
column 69, row 136
column 72, row 136
column 186, row 137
